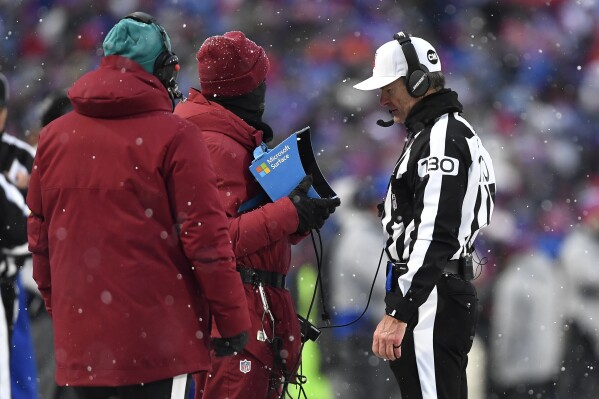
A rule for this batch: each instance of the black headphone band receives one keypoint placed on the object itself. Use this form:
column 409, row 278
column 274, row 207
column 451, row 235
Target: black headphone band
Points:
column 146, row 18
column 416, row 78
column 409, row 52
column 165, row 66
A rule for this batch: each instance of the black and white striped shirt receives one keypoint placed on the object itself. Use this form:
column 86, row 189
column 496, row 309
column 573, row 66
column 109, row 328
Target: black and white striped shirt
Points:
column 13, row 227
column 15, row 156
column 440, row 195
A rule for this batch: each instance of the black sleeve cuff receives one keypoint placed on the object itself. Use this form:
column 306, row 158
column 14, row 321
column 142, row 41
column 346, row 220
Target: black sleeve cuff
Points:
column 398, row 307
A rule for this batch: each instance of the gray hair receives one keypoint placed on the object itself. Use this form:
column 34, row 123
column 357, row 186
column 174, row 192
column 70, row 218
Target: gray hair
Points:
column 437, row 80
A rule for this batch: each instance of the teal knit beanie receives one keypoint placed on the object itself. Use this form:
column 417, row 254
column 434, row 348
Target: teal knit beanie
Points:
column 136, row 40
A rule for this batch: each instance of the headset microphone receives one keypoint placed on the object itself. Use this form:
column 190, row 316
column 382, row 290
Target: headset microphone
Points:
column 383, row 123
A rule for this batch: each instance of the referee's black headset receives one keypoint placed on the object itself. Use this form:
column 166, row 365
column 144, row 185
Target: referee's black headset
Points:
column 417, row 79
column 166, row 66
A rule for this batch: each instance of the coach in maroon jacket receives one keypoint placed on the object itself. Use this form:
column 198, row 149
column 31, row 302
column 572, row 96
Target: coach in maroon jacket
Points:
column 131, row 247
column 229, row 111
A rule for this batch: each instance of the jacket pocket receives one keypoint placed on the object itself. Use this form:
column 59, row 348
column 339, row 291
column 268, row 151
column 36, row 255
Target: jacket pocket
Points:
column 37, row 234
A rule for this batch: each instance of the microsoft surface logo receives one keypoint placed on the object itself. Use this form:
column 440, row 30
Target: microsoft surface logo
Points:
column 263, row 169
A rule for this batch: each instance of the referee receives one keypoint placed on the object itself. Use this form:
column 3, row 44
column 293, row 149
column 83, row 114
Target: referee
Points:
column 441, row 193
column 13, row 243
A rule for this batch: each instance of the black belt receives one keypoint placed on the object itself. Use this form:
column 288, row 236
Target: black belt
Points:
column 452, row 267
column 256, row 277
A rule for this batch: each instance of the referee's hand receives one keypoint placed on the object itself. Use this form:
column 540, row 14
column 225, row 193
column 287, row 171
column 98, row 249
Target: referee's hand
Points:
column 386, row 341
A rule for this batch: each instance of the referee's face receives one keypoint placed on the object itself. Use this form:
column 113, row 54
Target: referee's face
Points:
column 396, row 99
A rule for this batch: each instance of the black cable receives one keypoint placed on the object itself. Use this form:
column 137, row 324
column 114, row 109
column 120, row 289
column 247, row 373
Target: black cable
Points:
column 480, row 262
column 318, row 281
column 367, row 303
column 297, row 362
column 299, row 384
column 318, row 264
column 325, row 313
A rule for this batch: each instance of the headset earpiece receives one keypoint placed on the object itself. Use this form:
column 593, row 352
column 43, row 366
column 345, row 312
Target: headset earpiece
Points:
column 418, row 83
column 166, row 69
column 417, row 79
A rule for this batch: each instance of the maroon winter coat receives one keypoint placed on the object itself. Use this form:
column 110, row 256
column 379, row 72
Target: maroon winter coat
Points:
column 262, row 238
column 130, row 245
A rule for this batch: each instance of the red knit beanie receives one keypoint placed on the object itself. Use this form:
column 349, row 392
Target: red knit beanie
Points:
column 231, row 65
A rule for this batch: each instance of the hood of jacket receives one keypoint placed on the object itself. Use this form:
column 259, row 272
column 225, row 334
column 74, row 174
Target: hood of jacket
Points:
column 210, row 116
column 427, row 110
column 119, row 87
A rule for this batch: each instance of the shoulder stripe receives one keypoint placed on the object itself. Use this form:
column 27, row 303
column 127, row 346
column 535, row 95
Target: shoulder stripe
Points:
column 15, row 142
column 13, row 195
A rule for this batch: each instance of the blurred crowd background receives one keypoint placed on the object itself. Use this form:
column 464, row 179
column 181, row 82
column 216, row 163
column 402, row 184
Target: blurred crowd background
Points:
column 527, row 72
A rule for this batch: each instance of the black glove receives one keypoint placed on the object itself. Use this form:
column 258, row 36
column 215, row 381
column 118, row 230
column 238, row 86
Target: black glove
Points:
column 229, row 346
column 312, row 212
